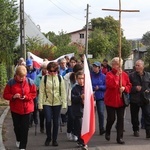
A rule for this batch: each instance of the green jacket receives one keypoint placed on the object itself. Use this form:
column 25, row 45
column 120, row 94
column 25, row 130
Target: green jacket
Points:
column 55, row 96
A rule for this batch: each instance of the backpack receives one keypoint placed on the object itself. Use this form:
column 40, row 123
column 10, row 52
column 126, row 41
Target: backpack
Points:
column 45, row 80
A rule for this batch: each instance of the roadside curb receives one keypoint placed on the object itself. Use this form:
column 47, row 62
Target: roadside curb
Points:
column 2, row 118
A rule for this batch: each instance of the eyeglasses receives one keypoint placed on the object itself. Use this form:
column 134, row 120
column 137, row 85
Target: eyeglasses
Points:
column 52, row 70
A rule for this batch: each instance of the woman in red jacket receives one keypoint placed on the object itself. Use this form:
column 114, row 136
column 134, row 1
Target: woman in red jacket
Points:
column 20, row 91
column 113, row 101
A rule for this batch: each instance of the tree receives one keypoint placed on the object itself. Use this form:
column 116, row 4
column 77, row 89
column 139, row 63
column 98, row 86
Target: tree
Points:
column 104, row 40
column 146, row 41
column 146, row 38
column 9, row 31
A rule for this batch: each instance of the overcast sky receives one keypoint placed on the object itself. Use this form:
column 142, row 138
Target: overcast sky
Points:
column 69, row 15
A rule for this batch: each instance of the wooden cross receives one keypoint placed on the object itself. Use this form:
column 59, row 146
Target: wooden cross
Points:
column 119, row 31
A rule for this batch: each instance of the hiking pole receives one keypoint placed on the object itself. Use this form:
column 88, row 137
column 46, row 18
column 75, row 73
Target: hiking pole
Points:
column 35, row 129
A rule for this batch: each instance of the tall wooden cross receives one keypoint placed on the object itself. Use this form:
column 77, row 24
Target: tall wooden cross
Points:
column 119, row 31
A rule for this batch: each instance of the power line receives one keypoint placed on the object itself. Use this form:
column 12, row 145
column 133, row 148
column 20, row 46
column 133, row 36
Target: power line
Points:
column 64, row 10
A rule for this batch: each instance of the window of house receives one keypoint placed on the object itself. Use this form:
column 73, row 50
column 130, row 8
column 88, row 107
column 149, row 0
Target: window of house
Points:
column 81, row 36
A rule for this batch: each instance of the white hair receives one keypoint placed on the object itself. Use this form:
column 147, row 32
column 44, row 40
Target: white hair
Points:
column 116, row 60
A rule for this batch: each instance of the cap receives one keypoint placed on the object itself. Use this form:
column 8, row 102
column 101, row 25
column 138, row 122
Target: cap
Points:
column 29, row 62
column 98, row 64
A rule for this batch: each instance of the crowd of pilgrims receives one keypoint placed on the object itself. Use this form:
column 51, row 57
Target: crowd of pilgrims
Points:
column 53, row 96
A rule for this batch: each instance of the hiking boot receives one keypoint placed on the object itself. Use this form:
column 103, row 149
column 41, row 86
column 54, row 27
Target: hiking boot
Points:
column 54, row 143
column 102, row 131
column 47, row 142
column 107, row 136
column 136, row 133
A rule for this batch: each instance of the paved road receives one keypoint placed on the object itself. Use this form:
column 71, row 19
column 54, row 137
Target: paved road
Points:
column 97, row 142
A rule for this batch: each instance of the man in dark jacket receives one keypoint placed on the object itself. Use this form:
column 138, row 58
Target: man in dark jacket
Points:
column 140, row 80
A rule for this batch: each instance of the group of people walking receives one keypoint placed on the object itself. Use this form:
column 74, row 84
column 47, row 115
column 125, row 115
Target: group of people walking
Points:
column 57, row 86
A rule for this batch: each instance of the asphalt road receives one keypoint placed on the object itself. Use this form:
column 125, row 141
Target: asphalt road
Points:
column 97, row 142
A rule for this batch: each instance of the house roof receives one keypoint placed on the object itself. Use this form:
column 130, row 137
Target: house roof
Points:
column 141, row 49
column 32, row 31
column 83, row 29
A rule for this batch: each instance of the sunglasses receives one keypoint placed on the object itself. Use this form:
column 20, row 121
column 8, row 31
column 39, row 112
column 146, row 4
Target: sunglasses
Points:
column 52, row 70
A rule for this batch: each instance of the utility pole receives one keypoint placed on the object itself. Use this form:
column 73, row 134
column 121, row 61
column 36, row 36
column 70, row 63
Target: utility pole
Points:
column 87, row 27
column 119, row 31
column 22, row 30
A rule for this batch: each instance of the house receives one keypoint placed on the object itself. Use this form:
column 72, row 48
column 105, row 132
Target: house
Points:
column 33, row 31
column 79, row 36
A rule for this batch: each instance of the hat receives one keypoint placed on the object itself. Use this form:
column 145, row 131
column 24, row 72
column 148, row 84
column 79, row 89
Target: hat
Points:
column 98, row 64
column 29, row 62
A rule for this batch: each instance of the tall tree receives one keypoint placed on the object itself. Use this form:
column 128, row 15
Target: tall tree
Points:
column 9, row 31
column 107, row 33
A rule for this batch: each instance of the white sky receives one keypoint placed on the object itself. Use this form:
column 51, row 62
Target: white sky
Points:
column 69, row 15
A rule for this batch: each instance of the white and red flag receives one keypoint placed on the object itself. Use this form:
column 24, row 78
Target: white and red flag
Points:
column 88, row 124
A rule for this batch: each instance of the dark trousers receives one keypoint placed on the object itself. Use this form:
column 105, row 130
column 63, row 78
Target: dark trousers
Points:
column 100, row 111
column 77, row 128
column 52, row 113
column 134, row 110
column 111, row 116
column 70, row 121
column 21, row 128
column 34, row 115
column 146, row 115
column 42, row 118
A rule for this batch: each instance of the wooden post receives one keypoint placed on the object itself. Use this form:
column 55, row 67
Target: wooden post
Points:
column 119, row 32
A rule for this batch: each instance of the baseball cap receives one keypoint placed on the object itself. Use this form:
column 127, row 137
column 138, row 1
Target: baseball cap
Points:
column 29, row 62
column 98, row 64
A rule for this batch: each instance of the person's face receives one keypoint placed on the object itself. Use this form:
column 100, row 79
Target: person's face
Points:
column 63, row 65
column 20, row 78
column 96, row 68
column 116, row 66
column 72, row 63
column 53, row 71
column 80, row 80
column 29, row 67
column 105, row 63
column 44, row 70
column 139, row 67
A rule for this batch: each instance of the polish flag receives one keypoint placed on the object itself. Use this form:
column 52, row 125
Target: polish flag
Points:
column 88, row 124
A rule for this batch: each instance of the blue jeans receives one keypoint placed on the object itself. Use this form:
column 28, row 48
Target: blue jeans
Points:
column 100, row 111
column 52, row 113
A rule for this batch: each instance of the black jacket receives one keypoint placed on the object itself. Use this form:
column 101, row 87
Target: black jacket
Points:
column 76, row 100
column 144, row 81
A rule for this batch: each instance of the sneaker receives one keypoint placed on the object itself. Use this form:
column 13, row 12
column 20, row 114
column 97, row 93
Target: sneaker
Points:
column 21, row 149
column 85, row 147
column 74, row 137
column 136, row 133
column 17, row 143
column 69, row 136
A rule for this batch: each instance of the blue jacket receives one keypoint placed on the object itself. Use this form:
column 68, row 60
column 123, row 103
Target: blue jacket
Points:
column 32, row 73
column 98, row 80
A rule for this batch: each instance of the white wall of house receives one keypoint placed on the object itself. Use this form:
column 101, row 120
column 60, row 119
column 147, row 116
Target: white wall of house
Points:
column 79, row 36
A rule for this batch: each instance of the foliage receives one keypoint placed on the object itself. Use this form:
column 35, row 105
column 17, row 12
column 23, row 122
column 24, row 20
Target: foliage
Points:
column 146, row 38
column 104, row 39
column 146, row 41
column 35, row 46
column 3, row 75
column 9, row 33
column 9, row 29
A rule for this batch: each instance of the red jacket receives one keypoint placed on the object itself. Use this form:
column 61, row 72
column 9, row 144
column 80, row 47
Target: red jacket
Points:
column 26, row 88
column 112, row 95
